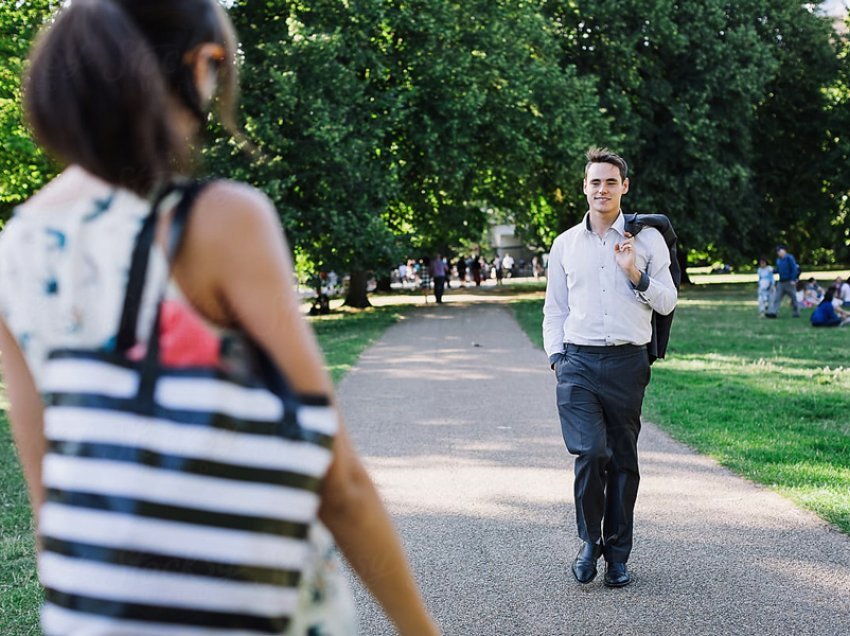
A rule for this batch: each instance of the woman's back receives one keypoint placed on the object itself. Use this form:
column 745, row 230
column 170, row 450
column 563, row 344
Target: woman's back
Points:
column 64, row 259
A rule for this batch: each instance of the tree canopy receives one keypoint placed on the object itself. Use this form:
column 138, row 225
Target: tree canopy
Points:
column 23, row 166
column 400, row 127
column 392, row 127
column 722, row 113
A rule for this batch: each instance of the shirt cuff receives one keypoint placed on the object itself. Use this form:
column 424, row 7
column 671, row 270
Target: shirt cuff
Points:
column 643, row 283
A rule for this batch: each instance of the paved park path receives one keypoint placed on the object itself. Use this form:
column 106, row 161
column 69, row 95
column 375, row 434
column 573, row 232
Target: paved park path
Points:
column 453, row 411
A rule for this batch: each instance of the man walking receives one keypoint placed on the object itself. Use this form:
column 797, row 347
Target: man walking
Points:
column 603, row 285
column 788, row 272
column 439, row 270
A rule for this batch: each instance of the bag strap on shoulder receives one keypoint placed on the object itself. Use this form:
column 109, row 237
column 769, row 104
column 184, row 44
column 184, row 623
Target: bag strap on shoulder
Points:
column 127, row 327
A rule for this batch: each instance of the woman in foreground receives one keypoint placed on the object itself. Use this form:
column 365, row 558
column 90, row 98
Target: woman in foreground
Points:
column 200, row 508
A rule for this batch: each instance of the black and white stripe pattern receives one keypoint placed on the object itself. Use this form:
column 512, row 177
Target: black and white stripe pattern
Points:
column 186, row 515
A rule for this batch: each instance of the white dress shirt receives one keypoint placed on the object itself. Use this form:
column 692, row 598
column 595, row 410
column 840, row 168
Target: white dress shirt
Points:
column 591, row 301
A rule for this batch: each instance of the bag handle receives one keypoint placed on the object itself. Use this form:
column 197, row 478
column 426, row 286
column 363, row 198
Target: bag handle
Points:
column 267, row 369
column 126, row 336
column 127, row 327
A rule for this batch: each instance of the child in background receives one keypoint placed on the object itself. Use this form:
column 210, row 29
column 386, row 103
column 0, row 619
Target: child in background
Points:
column 765, row 285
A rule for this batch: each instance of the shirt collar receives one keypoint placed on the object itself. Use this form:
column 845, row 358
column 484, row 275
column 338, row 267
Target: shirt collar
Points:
column 619, row 224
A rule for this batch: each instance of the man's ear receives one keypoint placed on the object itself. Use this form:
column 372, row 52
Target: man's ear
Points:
column 625, row 185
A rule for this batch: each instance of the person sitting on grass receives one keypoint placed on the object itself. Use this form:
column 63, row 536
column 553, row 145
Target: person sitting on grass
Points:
column 813, row 293
column 827, row 315
column 840, row 292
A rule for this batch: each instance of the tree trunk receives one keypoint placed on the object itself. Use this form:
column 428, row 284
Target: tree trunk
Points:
column 357, row 296
column 682, row 257
column 384, row 284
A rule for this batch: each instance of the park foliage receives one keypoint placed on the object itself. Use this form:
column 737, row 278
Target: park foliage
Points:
column 401, row 127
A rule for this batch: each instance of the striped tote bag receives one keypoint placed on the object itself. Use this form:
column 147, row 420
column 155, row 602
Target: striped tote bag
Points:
column 178, row 500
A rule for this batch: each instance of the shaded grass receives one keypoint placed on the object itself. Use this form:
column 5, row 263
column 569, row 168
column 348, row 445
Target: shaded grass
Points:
column 345, row 334
column 20, row 593
column 342, row 336
column 529, row 315
column 769, row 399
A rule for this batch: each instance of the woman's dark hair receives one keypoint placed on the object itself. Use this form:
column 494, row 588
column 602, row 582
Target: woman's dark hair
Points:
column 101, row 77
column 828, row 295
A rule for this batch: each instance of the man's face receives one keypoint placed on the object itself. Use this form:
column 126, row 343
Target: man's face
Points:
column 781, row 252
column 604, row 188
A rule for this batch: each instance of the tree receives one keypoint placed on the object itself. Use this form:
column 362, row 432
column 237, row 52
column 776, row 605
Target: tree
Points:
column 489, row 119
column 793, row 169
column 838, row 131
column 485, row 118
column 394, row 125
column 23, row 166
column 305, row 108
column 682, row 83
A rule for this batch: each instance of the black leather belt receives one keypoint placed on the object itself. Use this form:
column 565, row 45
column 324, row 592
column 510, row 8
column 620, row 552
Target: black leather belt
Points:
column 603, row 348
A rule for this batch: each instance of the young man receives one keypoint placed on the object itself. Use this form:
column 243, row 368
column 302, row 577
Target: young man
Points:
column 788, row 272
column 602, row 288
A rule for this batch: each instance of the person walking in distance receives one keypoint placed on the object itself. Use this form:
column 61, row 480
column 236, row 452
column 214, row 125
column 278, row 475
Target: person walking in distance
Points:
column 439, row 270
column 766, row 285
column 507, row 265
column 603, row 285
column 789, row 272
column 184, row 482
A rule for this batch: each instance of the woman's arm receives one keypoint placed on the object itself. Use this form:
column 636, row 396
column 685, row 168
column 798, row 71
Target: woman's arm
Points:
column 26, row 415
column 236, row 245
column 353, row 512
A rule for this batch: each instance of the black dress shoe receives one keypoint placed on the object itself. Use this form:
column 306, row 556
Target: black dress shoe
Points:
column 584, row 567
column 770, row 315
column 617, row 575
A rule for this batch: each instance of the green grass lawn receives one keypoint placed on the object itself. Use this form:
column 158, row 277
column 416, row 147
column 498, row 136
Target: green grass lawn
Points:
column 342, row 336
column 770, row 399
column 20, row 594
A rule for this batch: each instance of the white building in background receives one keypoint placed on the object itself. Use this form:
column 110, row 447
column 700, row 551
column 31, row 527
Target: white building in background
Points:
column 503, row 239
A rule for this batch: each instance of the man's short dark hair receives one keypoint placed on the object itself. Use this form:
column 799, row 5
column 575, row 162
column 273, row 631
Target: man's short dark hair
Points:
column 603, row 155
column 781, row 247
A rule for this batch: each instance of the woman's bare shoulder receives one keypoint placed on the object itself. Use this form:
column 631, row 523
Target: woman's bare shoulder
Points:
column 236, row 199
column 230, row 215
